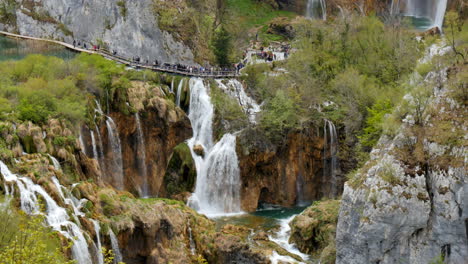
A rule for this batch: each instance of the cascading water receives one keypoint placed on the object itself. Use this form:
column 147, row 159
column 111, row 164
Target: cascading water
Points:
column 172, row 85
column 93, row 142
column 193, row 249
column 432, row 10
column 97, row 229
column 56, row 216
column 282, row 239
column 114, row 140
column 141, row 156
column 316, row 9
column 330, row 147
column 179, row 92
column 235, row 89
column 55, row 162
column 115, row 247
column 102, row 162
column 217, row 189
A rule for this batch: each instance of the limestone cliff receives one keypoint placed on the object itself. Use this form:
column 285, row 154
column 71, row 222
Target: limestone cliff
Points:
column 409, row 202
column 129, row 27
column 283, row 175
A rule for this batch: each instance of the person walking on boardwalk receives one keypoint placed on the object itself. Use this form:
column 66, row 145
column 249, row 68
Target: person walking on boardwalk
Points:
column 74, row 43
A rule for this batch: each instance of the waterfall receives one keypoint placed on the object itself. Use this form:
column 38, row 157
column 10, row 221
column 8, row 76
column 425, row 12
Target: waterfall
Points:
column 102, row 161
column 82, row 145
column 193, row 249
column 115, row 247
column 97, row 230
column 316, row 9
column 217, row 188
column 282, row 239
column 56, row 216
column 93, row 142
column 179, row 92
column 141, row 156
column 172, row 85
column 330, row 165
column 55, row 162
column 440, row 13
column 235, row 89
column 434, row 10
column 114, row 141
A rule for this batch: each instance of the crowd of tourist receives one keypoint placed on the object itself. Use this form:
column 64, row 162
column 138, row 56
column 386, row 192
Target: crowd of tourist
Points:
column 267, row 54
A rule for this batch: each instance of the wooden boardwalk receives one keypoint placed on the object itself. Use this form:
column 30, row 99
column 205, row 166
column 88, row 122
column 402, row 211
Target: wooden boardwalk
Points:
column 126, row 61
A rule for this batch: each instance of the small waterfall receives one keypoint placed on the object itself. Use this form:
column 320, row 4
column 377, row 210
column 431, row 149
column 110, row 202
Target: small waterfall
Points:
column 179, row 92
column 330, row 165
column 82, row 145
column 282, row 239
column 115, row 247
column 300, row 200
column 56, row 216
column 193, row 249
column 440, row 13
column 93, row 142
column 114, row 141
column 141, row 156
column 97, row 230
column 102, row 161
column 217, row 189
column 316, row 9
column 55, row 162
column 172, row 85
column 235, row 89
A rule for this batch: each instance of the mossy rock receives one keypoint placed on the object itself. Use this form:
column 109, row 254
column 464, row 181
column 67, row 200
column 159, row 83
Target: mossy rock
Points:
column 181, row 172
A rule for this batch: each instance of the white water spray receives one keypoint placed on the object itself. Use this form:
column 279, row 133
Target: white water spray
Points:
column 97, row 230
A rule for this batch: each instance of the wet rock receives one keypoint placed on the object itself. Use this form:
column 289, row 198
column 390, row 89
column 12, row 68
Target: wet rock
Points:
column 199, row 150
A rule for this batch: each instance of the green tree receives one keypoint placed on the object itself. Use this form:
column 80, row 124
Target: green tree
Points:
column 222, row 46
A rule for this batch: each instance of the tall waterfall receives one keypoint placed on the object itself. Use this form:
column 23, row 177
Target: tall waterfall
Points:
column 330, row 147
column 57, row 217
column 114, row 140
column 179, row 92
column 141, row 156
column 235, row 89
column 217, row 188
column 316, row 9
column 433, row 10
column 115, row 247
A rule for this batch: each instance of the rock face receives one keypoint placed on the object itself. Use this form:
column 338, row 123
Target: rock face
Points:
column 129, row 27
column 284, row 175
column 409, row 203
column 313, row 231
column 163, row 127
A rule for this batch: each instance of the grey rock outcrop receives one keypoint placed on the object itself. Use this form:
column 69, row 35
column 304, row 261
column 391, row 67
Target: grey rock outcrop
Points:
column 129, row 27
column 402, row 208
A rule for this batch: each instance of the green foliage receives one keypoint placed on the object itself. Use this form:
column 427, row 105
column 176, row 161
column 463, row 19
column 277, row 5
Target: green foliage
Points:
column 222, row 46
column 227, row 109
column 24, row 239
column 8, row 12
column 279, row 116
column 373, row 127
